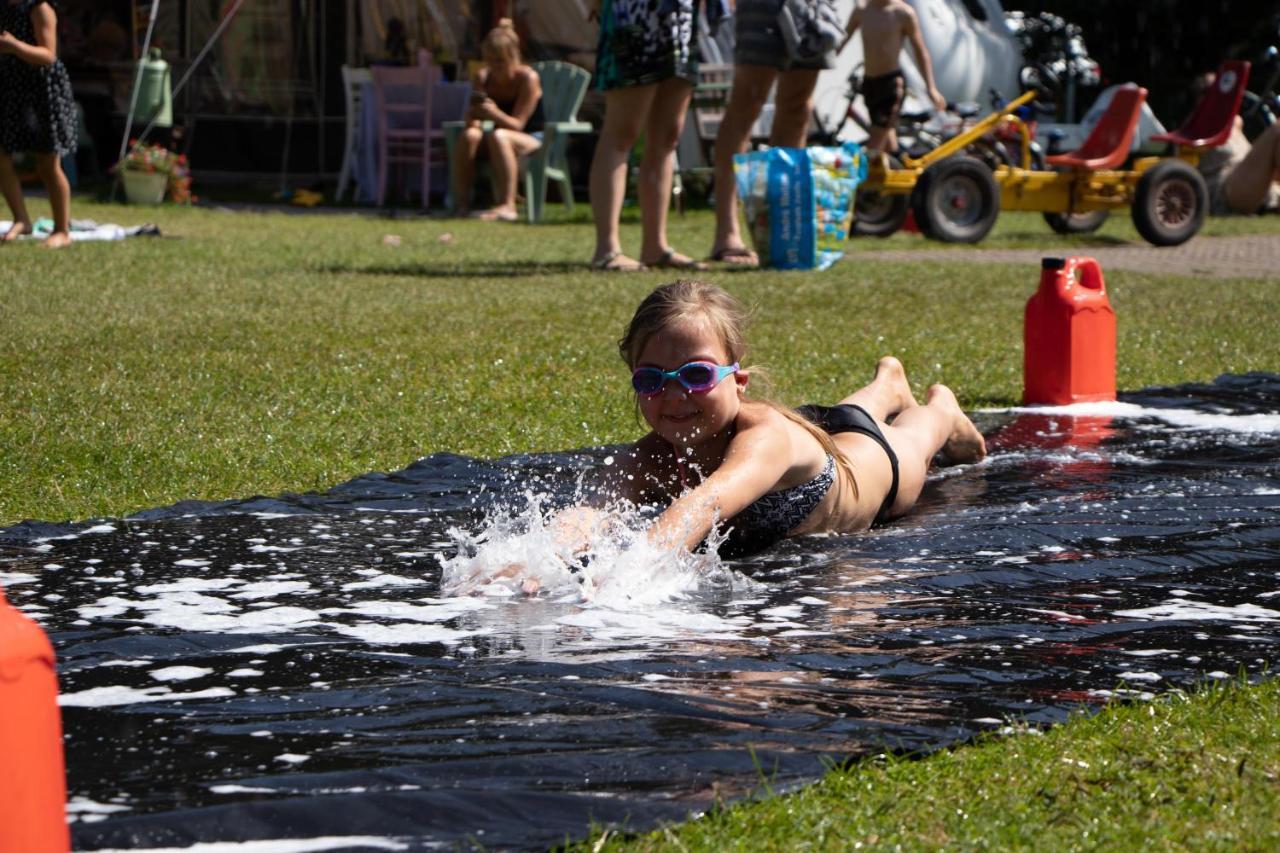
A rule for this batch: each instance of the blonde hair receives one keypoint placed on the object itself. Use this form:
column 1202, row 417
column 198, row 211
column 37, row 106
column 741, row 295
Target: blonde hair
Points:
column 689, row 300
column 502, row 40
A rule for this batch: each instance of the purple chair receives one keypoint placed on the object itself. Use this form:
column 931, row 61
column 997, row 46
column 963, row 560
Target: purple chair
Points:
column 402, row 104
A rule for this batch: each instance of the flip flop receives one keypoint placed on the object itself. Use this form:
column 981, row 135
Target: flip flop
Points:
column 669, row 260
column 617, row 262
column 738, row 256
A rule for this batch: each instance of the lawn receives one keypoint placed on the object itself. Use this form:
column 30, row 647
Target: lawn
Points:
column 257, row 353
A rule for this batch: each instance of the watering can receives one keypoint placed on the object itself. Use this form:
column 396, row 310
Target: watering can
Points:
column 155, row 91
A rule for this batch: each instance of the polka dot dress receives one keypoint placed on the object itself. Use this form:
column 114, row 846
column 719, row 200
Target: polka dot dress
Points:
column 37, row 110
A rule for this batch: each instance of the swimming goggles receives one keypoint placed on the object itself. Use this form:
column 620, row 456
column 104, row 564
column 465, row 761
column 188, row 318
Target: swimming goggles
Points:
column 698, row 377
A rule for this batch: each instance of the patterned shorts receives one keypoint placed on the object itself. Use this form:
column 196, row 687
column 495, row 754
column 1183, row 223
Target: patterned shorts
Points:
column 644, row 42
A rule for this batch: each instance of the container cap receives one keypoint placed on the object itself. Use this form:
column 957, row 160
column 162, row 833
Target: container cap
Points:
column 1052, row 263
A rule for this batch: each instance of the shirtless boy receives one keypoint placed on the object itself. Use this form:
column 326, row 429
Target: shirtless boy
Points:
column 885, row 25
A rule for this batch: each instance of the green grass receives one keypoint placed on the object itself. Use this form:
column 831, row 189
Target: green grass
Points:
column 1199, row 772
column 259, row 353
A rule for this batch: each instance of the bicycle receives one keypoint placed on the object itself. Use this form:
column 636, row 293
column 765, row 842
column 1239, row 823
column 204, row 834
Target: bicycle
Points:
column 1262, row 108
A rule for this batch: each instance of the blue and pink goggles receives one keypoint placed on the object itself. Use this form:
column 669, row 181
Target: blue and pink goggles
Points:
column 698, row 377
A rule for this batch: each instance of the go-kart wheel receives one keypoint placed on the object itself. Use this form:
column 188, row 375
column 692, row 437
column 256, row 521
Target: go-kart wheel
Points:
column 956, row 200
column 1169, row 203
column 1077, row 223
column 877, row 214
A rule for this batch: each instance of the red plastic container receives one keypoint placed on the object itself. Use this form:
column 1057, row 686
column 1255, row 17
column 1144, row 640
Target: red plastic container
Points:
column 1069, row 336
column 33, row 788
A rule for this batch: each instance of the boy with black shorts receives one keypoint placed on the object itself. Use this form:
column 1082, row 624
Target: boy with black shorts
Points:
column 885, row 24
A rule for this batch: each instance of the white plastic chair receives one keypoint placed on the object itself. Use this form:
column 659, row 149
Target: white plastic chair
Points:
column 354, row 83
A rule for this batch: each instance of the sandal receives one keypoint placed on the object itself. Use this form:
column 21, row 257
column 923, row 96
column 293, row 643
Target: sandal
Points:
column 617, row 262
column 738, row 256
column 669, row 260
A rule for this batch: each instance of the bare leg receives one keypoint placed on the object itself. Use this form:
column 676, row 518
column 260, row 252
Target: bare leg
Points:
column 662, row 133
column 916, row 435
column 792, row 107
column 49, row 167
column 464, row 167
column 751, row 85
column 12, row 189
column 1247, row 185
column 887, row 394
column 878, row 139
column 625, row 113
column 506, row 147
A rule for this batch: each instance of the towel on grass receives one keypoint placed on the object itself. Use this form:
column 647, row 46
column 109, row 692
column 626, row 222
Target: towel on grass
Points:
column 86, row 230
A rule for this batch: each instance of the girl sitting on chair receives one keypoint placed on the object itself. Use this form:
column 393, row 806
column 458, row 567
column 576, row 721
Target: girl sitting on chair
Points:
column 507, row 94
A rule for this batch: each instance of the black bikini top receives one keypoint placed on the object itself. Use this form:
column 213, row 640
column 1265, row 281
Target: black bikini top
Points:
column 774, row 514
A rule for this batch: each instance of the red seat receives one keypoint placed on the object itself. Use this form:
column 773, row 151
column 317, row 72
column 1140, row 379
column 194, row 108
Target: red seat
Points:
column 1111, row 138
column 1210, row 123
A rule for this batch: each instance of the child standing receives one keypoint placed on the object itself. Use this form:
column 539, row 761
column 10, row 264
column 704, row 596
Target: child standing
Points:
column 37, row 113
column 885, row 25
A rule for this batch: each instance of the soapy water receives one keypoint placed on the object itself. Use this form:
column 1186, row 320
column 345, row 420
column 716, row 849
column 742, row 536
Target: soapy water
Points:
column 293, row 670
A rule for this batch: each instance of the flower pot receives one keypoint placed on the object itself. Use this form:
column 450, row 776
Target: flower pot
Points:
column 144, row 187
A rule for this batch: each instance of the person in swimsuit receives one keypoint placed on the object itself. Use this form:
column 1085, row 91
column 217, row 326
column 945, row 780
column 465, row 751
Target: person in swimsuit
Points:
column 507, row 93
column 759, row 471
column 885, row 24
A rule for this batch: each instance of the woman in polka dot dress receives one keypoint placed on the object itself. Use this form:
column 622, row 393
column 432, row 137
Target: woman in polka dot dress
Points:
column 37, row 113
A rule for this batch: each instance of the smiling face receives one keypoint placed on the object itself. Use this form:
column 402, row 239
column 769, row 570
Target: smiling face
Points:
column 685, row 419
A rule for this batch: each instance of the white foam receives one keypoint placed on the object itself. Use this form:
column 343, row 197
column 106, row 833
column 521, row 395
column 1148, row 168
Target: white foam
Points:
column 267, row 589
column 179, row 673
column 102, row 697
column 378, row 580
column 1184, row 418
column 1180, row 609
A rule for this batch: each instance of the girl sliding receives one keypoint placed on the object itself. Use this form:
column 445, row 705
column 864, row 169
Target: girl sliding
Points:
column 37, row 113
column 757, row 470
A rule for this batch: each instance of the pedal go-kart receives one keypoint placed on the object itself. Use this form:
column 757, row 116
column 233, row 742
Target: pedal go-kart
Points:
column 956, row 198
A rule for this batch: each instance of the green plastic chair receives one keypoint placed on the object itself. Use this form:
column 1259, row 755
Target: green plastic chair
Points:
column 563, row 87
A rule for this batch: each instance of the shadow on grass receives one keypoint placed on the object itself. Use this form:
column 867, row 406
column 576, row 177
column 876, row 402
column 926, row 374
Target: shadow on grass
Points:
column 466, row 269
column 509, row 269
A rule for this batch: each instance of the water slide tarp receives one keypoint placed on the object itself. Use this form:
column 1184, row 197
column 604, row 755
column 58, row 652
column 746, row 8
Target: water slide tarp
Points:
column 288, row 667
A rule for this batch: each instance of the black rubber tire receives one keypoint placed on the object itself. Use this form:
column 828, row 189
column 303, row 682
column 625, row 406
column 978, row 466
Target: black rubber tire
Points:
column 1077, row 223
column 1169, row 203
column 956, row 200
column 877, row 215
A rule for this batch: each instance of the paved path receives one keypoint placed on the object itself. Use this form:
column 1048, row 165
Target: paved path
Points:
column 1249, row 256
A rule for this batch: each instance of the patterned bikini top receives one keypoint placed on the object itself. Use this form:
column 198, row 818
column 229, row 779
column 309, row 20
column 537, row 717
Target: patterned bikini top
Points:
column 774, row 514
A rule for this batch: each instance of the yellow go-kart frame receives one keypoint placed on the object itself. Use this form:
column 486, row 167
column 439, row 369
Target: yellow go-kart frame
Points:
column 955, row 198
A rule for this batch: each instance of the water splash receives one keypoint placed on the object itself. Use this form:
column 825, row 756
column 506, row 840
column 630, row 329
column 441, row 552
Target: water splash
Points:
column 592, row 556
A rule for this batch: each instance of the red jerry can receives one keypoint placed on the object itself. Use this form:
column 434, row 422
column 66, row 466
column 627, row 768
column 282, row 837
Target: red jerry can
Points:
column 33, row 787
column 1069, row 336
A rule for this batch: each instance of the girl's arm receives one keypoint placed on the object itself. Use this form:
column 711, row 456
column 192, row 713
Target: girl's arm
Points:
column 45, row 50
column 758, row 458
column 526, row 102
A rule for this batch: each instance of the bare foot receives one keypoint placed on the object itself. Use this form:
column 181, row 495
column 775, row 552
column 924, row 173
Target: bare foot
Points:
column 57, row 240
column 965, row 444
column 18, row 229
column 497, row 214
column 893, row 379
